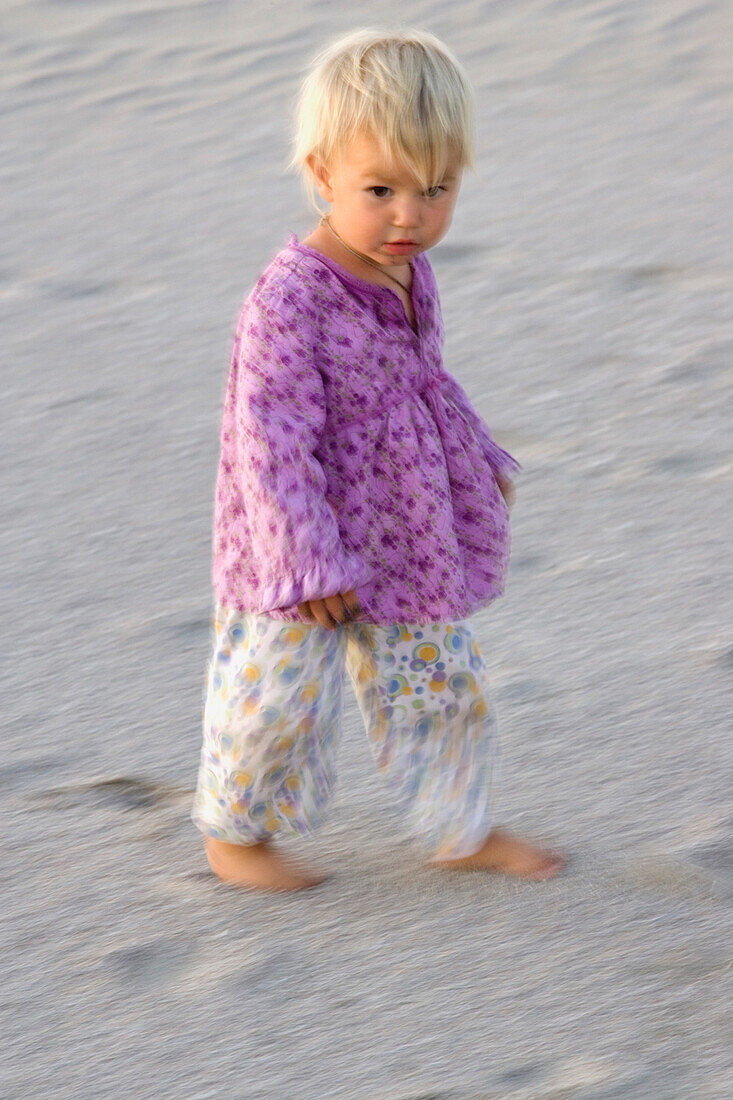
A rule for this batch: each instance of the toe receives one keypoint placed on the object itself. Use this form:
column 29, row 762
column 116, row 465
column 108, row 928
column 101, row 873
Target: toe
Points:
column 551, row 865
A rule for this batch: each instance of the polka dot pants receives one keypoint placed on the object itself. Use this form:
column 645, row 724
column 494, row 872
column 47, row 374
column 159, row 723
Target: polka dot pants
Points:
column 272, row 718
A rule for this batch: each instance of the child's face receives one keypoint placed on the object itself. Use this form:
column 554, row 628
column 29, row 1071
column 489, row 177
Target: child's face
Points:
column 374, row 203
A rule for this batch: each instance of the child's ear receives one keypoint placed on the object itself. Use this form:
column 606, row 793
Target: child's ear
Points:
column 321, row 175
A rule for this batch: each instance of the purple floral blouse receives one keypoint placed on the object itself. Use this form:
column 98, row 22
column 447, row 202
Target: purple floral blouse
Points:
column 350, row 458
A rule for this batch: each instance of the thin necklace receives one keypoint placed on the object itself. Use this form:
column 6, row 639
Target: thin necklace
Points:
column 379, row 267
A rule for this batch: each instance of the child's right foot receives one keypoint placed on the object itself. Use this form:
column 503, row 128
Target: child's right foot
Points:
column 510, row 855
column 256, row 865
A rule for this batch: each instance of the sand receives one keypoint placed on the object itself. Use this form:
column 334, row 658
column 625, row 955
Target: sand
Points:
column 586, row 286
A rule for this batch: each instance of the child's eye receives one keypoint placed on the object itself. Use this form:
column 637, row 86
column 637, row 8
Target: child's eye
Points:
column 436, row 189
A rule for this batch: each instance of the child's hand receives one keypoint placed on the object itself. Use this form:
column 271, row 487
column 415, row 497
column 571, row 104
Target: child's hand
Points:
column 506, row 488
column 331, row 611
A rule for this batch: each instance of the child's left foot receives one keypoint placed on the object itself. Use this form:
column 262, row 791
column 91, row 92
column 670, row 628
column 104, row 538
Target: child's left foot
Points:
column 508, row 854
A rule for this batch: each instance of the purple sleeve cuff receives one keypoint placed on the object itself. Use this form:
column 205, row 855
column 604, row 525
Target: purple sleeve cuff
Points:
column 321, row 580
column 499, row 459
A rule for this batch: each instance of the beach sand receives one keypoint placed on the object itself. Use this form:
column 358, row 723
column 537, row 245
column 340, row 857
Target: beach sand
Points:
column 586, row 288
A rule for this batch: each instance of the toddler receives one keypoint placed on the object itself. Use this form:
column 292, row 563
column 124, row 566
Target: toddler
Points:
column 362, row 506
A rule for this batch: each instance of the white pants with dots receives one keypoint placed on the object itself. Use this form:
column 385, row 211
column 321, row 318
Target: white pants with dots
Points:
column 272, row 722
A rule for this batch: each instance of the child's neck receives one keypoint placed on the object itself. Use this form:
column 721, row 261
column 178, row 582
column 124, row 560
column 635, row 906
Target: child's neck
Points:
column 322, row 241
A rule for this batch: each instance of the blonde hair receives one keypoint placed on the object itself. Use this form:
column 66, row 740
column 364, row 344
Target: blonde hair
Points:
column 404, row 87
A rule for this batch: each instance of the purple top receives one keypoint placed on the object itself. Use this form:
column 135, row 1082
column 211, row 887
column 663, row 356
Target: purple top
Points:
column 350, row 458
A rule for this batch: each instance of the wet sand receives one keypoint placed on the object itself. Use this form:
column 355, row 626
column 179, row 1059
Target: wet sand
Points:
column 586, row 288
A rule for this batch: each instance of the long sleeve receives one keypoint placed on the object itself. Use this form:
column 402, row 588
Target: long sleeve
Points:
column 293, row 548
column 500, row 460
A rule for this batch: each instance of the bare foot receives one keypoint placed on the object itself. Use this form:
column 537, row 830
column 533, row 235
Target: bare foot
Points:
column 508, row 854
column 259, row 865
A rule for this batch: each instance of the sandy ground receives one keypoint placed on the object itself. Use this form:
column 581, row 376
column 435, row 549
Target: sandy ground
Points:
column 586, row 285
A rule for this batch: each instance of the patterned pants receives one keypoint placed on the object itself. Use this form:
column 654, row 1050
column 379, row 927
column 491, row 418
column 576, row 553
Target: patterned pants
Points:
column 272, row 723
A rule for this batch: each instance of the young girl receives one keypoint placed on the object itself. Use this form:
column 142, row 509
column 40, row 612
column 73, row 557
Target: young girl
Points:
column 362, row 506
